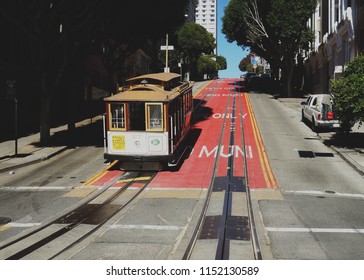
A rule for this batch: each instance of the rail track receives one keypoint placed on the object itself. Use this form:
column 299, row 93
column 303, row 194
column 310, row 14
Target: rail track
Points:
column 226, row 226
column 56, row 237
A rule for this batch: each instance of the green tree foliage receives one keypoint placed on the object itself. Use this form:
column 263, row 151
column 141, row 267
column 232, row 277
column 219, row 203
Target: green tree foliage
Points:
column 273, row 29
column 210, row 65
column 221, row 61
column 206, row 65
column 349, row 94
column 193, row 40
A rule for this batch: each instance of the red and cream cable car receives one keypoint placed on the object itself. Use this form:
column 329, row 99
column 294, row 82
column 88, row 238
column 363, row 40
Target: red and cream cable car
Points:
column 145, row 125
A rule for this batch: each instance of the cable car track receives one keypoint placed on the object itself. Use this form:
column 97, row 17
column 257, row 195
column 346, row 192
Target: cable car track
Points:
column 226, row 227
column 68, row 227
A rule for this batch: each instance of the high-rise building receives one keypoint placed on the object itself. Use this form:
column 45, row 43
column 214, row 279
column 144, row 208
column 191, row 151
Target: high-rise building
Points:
column 206, row 15
column 190, row 14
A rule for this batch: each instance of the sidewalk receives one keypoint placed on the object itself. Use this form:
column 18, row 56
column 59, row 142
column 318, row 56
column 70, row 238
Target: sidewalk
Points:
column 29, row 150
column 349, row 147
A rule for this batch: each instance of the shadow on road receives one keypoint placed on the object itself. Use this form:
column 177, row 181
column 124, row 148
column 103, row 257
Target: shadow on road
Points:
column 346, row 140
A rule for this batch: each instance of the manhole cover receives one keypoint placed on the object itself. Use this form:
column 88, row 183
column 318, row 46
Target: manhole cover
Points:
column 4, row 220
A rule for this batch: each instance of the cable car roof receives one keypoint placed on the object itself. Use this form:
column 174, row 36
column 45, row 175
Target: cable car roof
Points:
column 145, row 93
column 151, row 87
column 163, row 77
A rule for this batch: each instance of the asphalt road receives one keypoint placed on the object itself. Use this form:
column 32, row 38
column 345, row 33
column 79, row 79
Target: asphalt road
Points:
column 319, row 215
column 315, row 214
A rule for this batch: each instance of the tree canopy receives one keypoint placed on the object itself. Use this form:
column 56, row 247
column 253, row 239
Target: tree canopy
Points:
column 273, row 29
column 211, row 64
column 193, row 40
column 349, row 94
column 48, row 40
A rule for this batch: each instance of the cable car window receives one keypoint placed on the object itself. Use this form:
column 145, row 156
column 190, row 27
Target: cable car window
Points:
column 117, row 116
column 136, row 114
column 154, row 116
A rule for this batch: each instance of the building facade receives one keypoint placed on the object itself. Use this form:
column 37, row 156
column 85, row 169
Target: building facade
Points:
column 206, row 15
column 339, row 37
column 190, row 14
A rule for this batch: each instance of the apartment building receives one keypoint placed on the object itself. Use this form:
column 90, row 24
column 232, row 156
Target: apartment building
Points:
column 206, row 15
column 338, row 26
column 190, row 14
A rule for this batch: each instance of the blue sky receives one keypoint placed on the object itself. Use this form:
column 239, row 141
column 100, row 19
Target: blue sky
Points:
column 231, row 51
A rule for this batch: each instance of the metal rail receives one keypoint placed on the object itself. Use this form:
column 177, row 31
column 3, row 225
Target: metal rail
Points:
column 226, row 219
column 197, row 231
column 82, row 214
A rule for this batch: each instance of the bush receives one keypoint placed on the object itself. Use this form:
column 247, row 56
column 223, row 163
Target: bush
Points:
column 349, row 94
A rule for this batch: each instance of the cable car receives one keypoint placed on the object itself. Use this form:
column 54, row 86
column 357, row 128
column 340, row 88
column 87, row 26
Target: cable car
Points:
column 146, row 124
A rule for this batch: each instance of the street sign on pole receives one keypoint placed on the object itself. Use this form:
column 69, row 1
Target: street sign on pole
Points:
column 10, row 90
column 164, row 48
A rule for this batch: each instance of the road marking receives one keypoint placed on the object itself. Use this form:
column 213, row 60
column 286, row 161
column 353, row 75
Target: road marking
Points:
column 316, row 230
column 250, row 152
column 148, row 227
column 145, row 178
column 349, row 195
column 99, row 175
column 36, row 188
column 22, row 225
column 18, row 225
column 266, row 168
column 201, row 89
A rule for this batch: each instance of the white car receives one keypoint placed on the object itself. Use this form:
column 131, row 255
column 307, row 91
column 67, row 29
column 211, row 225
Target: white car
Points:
column 319, row 112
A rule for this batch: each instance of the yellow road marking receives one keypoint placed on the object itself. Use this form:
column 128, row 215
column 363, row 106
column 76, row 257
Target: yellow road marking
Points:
column 134, row 179
column 199, row 91
column 99, row 175
column 2, row 228
column 267, row 170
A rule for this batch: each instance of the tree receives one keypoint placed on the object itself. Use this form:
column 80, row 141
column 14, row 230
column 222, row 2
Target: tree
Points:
column 50, row 36
column 193, row 40
column 348, row 92
column 49, row 39
column 221, row 61
column 210, row 65
column 275, row 30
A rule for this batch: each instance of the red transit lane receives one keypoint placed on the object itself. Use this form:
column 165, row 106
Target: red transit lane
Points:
column 197, row 169
column 211, row 116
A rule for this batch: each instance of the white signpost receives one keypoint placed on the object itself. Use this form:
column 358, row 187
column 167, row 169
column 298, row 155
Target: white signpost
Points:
column 167, row 48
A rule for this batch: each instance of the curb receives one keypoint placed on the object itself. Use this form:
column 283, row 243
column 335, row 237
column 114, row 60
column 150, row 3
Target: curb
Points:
column 349, row 161
column 37, row 160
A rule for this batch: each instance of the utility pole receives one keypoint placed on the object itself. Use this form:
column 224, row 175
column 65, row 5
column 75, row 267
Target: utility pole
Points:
column 11, row 95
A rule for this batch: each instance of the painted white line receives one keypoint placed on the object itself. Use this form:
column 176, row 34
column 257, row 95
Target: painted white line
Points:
column 175, row 189
column 349, row 195
column 36, row 188
column 318, row 230
column 148, row 227
column 22, row 225
column 250, row 151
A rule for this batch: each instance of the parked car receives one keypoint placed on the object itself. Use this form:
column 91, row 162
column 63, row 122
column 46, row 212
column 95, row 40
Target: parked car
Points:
column 247, row 76
column 318, row 111
column 264, row 84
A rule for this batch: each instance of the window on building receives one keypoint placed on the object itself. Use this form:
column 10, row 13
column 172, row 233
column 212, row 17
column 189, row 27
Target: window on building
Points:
column 336, row 10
